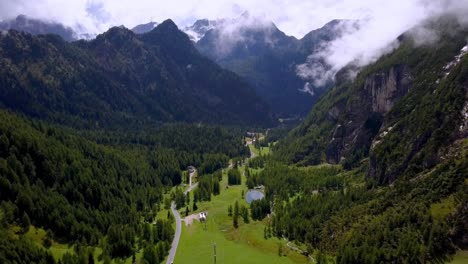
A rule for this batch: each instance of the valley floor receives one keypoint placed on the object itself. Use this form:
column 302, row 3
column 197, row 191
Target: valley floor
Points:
column 245, row 244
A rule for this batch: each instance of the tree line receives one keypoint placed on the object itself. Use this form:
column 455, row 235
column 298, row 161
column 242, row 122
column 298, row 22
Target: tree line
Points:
column 58, row 179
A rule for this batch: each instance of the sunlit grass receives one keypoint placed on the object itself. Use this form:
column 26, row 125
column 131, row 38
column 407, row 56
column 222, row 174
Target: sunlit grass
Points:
column 243, row 245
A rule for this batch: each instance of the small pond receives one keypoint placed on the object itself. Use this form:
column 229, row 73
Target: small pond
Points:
column 253, row 195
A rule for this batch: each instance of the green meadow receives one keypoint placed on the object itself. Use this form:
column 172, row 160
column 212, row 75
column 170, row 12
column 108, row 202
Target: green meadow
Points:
column 246, row 244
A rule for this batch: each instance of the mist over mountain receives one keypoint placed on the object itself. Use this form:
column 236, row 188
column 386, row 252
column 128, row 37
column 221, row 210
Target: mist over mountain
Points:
column 38, row 27
column 267, row 58
column 201, row 27
column 339, row 129
column 251, row 47
column 144, row 28
column 389, row 99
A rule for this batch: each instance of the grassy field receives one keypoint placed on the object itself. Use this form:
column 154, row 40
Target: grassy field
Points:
column 262, row 150
column 460, row 258
column 443, row 208
column 243, row 245
column 57, row 250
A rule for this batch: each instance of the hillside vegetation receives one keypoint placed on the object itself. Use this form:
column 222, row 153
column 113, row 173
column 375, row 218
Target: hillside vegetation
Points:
column 92, row 194
column 122, row 80
column 399, row 132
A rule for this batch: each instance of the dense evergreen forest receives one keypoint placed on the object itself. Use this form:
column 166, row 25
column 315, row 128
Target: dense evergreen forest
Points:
column 397, row 192
column 93, row 149
column 122, row 80
column 96, row 194
column 418, row 117
column 341, row 213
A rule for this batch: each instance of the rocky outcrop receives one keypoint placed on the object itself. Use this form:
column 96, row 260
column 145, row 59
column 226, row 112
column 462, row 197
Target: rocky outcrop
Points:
column 463, row 129
column 397, row 118
column 365, row 112
column 386, row 88
column 424, row 129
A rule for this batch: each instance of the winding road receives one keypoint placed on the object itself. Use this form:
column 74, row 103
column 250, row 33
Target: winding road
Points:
column 175, row 242
column 252, row 154
column 178, row 231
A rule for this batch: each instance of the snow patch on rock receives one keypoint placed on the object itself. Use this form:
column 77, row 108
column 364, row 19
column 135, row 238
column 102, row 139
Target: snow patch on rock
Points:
column 447, row 68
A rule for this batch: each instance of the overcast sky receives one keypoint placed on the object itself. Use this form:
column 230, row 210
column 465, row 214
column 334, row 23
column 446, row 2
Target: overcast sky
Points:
column 295, row 17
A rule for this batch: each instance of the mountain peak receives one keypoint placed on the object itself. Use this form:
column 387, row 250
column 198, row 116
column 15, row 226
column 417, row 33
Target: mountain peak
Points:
column 118, row 30
column 201, row 23
column 21, row 18
column 200, row 28
column 116, row 35
column 143, row 28
column 168, row 24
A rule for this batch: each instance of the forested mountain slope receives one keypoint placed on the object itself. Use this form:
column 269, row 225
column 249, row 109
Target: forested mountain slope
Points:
column 121, row 79
column 399, row 133
column 96, row 194
column 268, row 58
column 403, row 111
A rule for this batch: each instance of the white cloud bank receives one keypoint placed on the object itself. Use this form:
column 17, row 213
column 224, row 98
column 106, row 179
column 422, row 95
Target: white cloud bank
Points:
column 377, row 33
column 294, row 17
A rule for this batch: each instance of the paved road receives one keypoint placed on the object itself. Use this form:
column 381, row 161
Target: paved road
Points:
column 190, row 178
column 252, row 154
column 178, row 231
column 175, row 242
column 191, row 187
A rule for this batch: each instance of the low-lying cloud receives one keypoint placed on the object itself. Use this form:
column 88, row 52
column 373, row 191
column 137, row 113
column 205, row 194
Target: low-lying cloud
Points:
column 380, row 21
column 376, row 35
column 231, row 32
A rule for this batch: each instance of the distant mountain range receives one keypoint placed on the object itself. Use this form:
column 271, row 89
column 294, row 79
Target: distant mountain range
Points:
column 254, row 49
column 143, row 28
column 123, row 79
column 198, row 30
column 266, row 57
column 38, row 27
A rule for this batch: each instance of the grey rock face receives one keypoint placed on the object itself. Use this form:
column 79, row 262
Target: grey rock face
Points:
column 387, row 87
column 365, row 113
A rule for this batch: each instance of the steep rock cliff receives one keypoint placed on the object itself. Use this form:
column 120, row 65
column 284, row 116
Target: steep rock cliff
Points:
column 365, row 112
column 399, row 116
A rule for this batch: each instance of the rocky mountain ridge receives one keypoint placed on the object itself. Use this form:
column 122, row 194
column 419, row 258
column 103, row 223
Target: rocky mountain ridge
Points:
column 122, row 79
column 403, row 112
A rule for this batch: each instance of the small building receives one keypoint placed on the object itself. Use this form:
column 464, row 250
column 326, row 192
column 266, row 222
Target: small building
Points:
column 251, row 134
column 191, row 169
column 202, row 216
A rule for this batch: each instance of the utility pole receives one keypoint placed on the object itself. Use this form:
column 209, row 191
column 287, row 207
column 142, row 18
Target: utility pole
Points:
column 214, row 248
